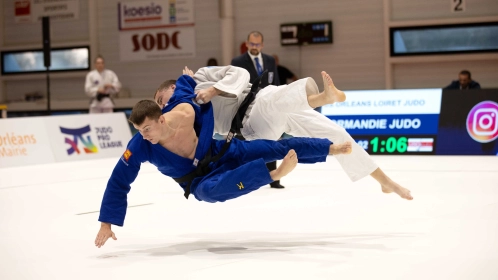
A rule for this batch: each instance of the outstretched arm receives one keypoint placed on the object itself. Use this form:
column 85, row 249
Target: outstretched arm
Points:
column 114, row 201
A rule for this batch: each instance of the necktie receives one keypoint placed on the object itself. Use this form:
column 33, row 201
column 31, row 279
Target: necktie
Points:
column 258, row 66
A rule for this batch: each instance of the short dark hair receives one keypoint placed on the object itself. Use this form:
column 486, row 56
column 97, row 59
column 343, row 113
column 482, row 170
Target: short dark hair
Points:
column 97, row 57
column 465, row 72
column 212, row 62
column 255, row 33
column 166, row 84
column 144, row 109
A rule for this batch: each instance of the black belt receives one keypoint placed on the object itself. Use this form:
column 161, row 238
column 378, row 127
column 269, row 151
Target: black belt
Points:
column 203, row 168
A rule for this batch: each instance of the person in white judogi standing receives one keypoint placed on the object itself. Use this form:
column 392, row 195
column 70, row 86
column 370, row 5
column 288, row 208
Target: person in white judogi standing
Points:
column 101, row 85
column 279, row 109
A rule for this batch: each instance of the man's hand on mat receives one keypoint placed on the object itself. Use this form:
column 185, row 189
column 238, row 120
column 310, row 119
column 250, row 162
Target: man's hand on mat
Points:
column 105, row 233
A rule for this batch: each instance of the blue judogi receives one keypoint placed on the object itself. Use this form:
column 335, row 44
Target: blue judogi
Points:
column 239, row 171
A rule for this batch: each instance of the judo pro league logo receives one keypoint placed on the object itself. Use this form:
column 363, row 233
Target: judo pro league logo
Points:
column 104, row 138
column 78, row 135
column 482, row 122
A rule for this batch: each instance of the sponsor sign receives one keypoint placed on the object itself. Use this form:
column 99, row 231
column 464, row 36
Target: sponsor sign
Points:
column 79, row 137
column 157, row 14
column 24, row 141
column 156, row 30
column 482, row 122
column 34, row 10
column 468, row 123
column 154, row 44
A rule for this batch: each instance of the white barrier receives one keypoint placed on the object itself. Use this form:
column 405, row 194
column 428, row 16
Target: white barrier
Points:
column 25, row 141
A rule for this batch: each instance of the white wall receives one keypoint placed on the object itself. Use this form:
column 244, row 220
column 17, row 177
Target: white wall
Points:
column 356, row 60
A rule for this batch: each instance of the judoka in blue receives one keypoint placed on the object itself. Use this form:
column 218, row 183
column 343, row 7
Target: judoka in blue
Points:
column 239, row 171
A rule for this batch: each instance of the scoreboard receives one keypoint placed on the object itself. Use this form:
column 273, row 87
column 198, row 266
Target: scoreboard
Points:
column 420, row 121
column 306, row 33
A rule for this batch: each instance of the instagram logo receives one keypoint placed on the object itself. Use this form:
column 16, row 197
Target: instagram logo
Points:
column 482, row 122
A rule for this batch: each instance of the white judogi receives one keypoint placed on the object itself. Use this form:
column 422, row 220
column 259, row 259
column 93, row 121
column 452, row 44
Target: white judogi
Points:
column 94, row 81
column 277, row 109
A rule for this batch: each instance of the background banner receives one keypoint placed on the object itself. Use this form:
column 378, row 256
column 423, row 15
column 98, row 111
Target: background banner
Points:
column 79, row 137
column 24, row 141
column 163, row 29
column 468, row 123
column 420, row 121
column 154, row 44
column 34, row 10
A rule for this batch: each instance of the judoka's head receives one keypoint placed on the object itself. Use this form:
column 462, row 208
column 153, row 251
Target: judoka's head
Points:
column 99, row 63
column 254, row 42
column 147, row 118
column 164, row 92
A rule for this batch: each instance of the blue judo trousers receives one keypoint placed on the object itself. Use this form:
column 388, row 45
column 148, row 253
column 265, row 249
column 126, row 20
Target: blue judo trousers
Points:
column 239, row 171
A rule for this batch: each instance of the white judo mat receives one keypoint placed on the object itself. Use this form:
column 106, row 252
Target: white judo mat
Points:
column 321, row 226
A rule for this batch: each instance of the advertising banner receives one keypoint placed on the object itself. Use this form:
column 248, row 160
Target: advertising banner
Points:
column 24, row 141
column 154, row 44
column 34, row 10
column 468, row 123
column 79, row 137
column 136, row 15
column 420, row 121
column 156, row 30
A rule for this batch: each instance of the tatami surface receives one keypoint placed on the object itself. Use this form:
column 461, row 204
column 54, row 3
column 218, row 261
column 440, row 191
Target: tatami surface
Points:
column 322, row 226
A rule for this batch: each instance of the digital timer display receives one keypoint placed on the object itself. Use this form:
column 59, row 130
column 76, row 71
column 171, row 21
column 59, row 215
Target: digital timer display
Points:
column 390, row 145
column 386, row 144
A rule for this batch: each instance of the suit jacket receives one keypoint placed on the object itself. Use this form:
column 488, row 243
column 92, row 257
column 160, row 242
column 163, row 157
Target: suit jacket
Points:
column 456, row 85
column 245, row 61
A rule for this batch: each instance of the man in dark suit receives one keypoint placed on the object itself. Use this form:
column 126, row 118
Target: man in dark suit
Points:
column 256, row 62
column 464, row 82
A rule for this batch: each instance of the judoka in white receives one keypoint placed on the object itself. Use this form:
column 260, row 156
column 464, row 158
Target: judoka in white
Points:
column 279, row 109
column 101, row 85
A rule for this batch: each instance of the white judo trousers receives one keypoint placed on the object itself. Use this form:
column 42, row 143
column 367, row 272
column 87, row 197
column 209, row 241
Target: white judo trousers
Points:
column 278, row 109
column 285, row 108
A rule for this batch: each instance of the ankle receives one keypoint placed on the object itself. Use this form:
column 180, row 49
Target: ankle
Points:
column 275, row 175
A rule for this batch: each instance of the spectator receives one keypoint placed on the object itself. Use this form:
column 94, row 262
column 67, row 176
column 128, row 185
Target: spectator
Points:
column 284, row 74
column 212, row 62
column 256, row 62
column 100, row 85
column 464, row 82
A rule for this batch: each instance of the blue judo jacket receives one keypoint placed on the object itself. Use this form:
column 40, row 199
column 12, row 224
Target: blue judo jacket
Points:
column 114, row 203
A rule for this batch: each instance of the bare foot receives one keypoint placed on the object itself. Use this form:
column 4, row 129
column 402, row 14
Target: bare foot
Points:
column 396, row 188
column 288, row 164
column 344, row 148
column 332, row 93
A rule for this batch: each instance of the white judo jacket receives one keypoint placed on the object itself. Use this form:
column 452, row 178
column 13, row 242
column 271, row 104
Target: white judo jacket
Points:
column 95, row 80
column 233, row 82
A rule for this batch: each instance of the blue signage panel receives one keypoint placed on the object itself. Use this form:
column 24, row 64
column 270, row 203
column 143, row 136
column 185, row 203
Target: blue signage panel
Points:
column 389, row 124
